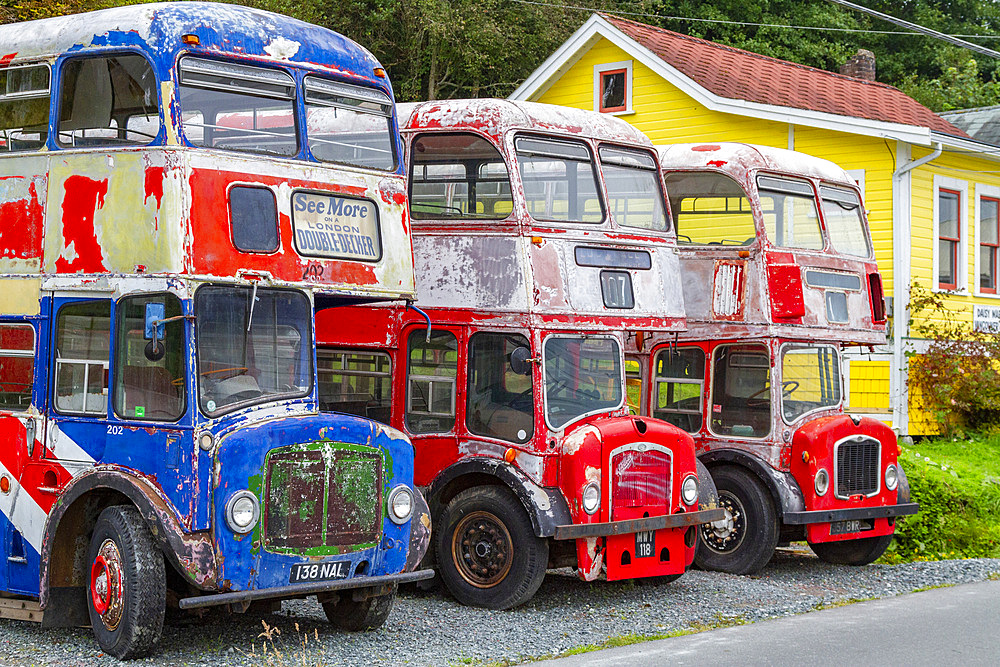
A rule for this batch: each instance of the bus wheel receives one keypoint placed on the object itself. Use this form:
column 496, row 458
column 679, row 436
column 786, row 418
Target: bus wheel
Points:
column 487, row 552
column 744, row 541
column 852, row 552
column 369, row 614
column 127, row 592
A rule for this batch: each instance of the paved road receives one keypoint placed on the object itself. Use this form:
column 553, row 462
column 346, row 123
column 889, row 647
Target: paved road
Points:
column 956, row 625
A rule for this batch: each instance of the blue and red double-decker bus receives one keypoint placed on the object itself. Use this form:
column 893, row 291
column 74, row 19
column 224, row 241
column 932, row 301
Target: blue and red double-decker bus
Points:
column 182, row 187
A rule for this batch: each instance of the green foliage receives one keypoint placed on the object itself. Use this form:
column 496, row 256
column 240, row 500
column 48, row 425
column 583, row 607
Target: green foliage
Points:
column 958, row 376
column 960, row 86
column 957, row 484
column 436, row 49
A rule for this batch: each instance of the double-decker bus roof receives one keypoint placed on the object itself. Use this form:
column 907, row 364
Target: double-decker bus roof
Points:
column 494, row 117
column 159, row 29
column 739, row 160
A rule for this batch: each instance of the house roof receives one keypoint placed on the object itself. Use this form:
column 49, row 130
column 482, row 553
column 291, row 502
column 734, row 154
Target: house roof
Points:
column 737, row 74
column 981, row 123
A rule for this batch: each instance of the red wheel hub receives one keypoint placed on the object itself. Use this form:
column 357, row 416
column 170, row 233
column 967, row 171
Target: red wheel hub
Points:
column 107, row 592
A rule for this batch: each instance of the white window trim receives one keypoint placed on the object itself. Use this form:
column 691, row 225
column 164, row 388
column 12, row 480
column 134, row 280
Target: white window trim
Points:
column 982, row 190
column 607, row 67
column 962, row 270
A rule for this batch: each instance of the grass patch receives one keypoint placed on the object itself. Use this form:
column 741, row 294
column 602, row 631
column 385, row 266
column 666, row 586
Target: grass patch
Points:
column 819, row 606
column 957, row 483
column 718, row 622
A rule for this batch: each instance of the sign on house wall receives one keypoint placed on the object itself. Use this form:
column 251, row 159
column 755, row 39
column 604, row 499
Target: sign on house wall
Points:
column 986, row 318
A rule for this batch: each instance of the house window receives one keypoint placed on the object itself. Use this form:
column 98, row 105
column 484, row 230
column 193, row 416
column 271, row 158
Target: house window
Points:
column 949, row 237
column 613, row 90
column 989, row 242
column 613, row 87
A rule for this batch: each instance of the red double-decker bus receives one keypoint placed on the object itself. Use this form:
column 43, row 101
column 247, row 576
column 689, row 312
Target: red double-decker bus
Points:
column 543, row 252
column 779, row 278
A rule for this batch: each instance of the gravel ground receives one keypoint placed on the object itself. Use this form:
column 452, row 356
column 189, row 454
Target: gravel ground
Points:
column 431, row 629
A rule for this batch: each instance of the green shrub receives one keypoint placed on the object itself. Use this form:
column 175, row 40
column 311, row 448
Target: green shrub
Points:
column 957, row 376
column 957, row 483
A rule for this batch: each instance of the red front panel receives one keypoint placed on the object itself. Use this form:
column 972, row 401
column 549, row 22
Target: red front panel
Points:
column 855, row 457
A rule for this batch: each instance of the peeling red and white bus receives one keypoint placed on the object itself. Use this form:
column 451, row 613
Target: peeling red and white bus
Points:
column 543, row 253
column 175, row 204
column 779, row 277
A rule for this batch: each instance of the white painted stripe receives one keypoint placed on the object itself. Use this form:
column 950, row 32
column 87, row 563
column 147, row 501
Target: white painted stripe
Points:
column 65, row 448
column 22, row 511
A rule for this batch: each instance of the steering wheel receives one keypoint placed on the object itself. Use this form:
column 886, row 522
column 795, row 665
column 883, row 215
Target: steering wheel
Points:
column 238, row 370
column 788, row 386
column 758, row 393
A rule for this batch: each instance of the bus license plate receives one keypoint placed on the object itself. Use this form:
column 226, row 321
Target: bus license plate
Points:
column 644, row 543
column 850, row 526
column 301, row 572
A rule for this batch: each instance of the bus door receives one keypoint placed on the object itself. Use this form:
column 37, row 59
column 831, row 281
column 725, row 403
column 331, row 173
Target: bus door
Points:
column 430, row 409
column 149, row 385
column 23, row 511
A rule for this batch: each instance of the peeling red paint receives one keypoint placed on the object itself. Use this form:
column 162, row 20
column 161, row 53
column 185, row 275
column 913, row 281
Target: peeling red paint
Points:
column 83, row 197
column 22, row 229
column 5, row 60
column 716, row 163
column 154, row 184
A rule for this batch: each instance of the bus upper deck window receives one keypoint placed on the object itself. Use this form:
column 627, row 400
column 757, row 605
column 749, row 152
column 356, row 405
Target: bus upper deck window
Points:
column 710, row 209
column 790, row 215
column 559, row 179
column 634, row 192
column 349, row 124
column 237, row 107
column 842, row 214
column 458, row 176
column 24, row 108
column 108, row 100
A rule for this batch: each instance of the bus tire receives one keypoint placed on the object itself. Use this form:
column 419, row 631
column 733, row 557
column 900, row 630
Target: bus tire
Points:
column 861, row 551
column 745, row 540
column 126, row 592
column 353, row 616
column 487, row 552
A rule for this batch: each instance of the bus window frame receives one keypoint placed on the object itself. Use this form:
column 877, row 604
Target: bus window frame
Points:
column 11, row 353
column 756, row 219
column 302, row 103
column 790, row 182
column 466, row 221
column 713, row 373
column 47, row 64
column 329, row 353
column 594, row 165
column 55, row 359
column 233, row 59
column 56, row 101
column 656, row 169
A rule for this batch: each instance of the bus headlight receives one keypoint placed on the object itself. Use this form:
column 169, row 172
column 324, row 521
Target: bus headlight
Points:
column 822, row 482
column 689, row 490
column 591, row 498
column 242, row 512
column 400, row 504
column 891, row 476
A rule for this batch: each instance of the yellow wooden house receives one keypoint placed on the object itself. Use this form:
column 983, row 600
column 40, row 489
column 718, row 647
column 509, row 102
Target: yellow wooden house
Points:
column 931, row 190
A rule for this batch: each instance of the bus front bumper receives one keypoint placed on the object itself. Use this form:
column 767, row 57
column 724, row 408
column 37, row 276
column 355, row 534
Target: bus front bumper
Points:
column 624, row 527
column 244, row 598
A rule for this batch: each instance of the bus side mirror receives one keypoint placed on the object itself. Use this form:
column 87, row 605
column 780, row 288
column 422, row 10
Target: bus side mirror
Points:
column 520, row 361
column 155, row 330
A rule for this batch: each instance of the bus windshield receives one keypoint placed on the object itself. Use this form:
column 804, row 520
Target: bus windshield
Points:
column 810, row 380
column 634, row 193
column 583, row 375
column 253, row 345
